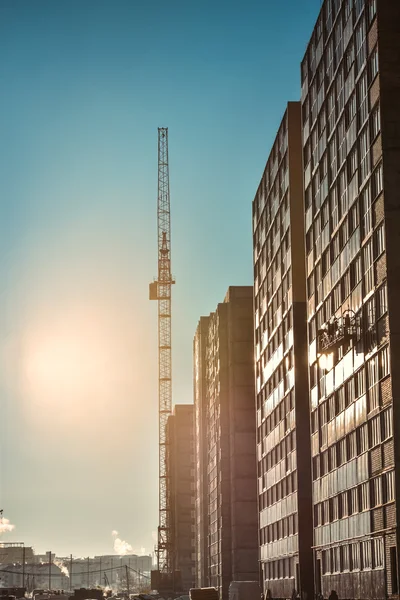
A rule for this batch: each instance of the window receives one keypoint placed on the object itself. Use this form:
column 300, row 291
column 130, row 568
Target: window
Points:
column 375, row 431
column 379, row 241
column 351, row 109
column 353, row 501
column 341, row 141
column 340, row 90
column 326, row 512
column 332, row 458
column 371, row 10
column 344, row 505
column 352, row 163
column 335, row 508
column 375, row 122
column 364, row 154
column 355, row 557
column 390, row 492
column 363, row 438
column 360, row 43
column 384, row 363
column 372, row 371
column 366, row 554
column 354, row 218
column 350, row 57
column 341, row 399
column 352, row 445
column 336, row 559
column 366, row 203
column 378, row 180
column 373, row 64
column 360, row 382
column 364, row 497
column 379, row 553
column 368, row 256
column 387, row 424
column 348, row 4
column 337, row 297
column 358, row 6
column 342, row 452
column 376, row 485
column 362, row 90
column 369, row 312
column 356, row 271
column 381, row 301
column 326, row 561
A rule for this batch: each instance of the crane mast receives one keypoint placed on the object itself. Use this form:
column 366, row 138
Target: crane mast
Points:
column 161, row 290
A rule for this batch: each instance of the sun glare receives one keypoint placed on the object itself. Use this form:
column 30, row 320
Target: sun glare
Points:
column 70, row 363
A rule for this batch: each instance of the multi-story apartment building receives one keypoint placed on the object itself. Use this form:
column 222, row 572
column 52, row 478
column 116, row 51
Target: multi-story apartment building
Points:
column 109, row 569
column 224, row 399
column 200, row 407
column 181, row 492
column 283, row 430
column 351, row 148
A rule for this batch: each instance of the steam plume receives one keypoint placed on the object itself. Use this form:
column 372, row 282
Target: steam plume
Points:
column 5, row 525
column 62, row 567
column 120, row 546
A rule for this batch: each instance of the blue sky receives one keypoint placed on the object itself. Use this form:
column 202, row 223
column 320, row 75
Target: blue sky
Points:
column 85, row 84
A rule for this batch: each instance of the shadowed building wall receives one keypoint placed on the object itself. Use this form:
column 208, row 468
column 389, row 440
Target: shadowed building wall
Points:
column 181, row 491
column 226, row 367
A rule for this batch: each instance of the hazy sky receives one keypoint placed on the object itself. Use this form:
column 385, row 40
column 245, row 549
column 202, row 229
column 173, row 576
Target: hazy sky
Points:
column 84, row 86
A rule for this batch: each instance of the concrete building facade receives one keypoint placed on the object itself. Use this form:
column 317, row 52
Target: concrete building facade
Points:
column 351, row 149
column 283, row 429
column 200, row 424
column 225, row 416
column 181, row 491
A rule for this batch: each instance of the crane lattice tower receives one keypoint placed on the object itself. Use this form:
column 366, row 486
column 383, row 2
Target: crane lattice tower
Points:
column 161, row 290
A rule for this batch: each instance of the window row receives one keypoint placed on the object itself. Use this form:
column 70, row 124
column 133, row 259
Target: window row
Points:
column 345, row 122
column 262, row 399
column 278, row 344
column 377, row 368
column 374, row 493
column 373, row 309
column 278, row 453
column 280, row 529
column 277, row 492
column 323, row 238
column 336, row 76
column 278, row 569
column 270, row 206
column 274, row 294
column 367, row 436
column 335, row 17
column 369, row 554
column 276, row 416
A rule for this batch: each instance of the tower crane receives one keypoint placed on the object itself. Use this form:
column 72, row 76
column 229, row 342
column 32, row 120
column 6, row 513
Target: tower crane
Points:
column 160, row 290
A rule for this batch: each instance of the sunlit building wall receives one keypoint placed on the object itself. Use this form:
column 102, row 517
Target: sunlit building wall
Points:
column 351, row 137
column 283, row 431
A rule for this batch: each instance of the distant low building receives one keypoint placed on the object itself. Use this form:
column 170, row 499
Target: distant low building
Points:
column 108, row 570
column 11, row 552
column 33, row 575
